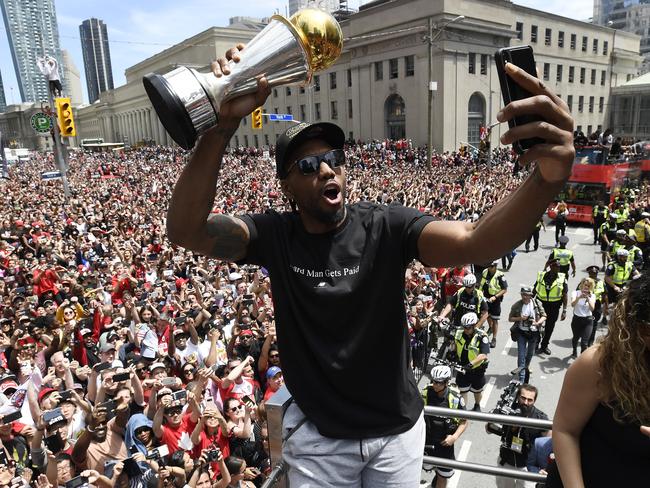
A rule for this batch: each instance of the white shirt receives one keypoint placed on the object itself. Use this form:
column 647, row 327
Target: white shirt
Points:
column 581, row 308
column 528, row 309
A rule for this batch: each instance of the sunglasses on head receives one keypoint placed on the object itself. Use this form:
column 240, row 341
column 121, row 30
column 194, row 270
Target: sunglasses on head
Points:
column 311, row 164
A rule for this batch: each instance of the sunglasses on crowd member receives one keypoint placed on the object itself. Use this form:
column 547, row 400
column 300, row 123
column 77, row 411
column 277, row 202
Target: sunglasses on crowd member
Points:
column 173, row 411
column 236, row 407
column 311, row 164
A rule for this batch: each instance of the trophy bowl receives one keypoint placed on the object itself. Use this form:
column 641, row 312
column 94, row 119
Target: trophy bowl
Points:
column 285, row 52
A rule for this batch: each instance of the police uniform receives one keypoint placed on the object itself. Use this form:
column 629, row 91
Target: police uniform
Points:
column 564, row 257
column 621, row 275
column 600, row 214
column 467, row 349
column 462, row 303
column 608, row 229
column 490, row 286
column 438, row 428
column 550, row 290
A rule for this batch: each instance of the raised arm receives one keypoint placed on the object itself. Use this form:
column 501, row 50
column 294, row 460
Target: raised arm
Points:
column 189, row 223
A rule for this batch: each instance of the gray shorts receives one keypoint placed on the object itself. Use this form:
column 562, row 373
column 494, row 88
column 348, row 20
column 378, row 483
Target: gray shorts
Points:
column 393, row 461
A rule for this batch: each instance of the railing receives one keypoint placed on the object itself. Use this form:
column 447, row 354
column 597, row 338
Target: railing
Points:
column 278, row 403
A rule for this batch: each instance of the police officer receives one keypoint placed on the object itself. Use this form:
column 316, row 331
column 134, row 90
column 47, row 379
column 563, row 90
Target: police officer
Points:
column 551, row 289
column 494, row 287
column 442, row 432
column 618, row 274
column 599, row 217
column 619, row 242
column 635, row 253
column 516, row 442
column 472, row 349
column 535, row 236
column 607, row 235
column 467, row 299
column 601, row 301
column 564, row 256
column 642, row 232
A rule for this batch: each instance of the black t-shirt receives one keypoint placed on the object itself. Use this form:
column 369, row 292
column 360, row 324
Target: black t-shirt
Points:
column 463, row 302
column 513, row 457
column 341, row 320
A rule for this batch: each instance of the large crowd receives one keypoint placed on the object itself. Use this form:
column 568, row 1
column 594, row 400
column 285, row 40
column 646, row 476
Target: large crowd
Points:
column 127, row 361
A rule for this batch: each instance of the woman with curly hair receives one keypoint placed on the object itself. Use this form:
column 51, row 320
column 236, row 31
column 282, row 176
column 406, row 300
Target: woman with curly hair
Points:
column 601, row 436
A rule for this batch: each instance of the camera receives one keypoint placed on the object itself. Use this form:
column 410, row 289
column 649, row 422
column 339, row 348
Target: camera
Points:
column 213, row 455
column 506, row 405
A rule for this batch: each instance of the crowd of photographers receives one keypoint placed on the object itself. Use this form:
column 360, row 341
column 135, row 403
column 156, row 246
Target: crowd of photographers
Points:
column 125, row 361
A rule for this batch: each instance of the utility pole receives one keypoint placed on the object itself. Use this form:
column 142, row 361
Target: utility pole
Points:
column 431, row 85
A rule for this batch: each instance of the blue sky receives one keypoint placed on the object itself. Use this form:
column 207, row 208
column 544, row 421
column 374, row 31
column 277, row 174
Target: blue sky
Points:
column 138, row 29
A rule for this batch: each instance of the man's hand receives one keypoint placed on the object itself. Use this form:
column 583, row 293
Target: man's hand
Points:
column 448, row 441
column 645, row 430
column 555, row 156
column 238, row 108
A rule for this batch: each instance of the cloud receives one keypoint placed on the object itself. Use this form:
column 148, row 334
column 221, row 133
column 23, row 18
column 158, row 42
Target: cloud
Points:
column 575, row 9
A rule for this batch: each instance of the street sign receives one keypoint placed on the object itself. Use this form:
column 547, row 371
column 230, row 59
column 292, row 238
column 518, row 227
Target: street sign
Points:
column 51, row 175
column 41, row 123
column 281, row 117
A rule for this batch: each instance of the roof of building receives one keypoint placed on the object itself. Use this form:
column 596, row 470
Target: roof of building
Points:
column 639, row 80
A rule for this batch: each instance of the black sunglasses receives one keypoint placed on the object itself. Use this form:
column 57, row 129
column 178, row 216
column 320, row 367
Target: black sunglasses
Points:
column 311, row 164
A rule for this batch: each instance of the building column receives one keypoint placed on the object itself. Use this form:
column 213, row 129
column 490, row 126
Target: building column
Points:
column 138, row 115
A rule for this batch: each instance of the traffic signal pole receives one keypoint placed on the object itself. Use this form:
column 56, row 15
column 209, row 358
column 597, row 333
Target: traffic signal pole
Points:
column 58, row 150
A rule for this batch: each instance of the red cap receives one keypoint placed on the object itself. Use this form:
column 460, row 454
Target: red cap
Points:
column 246, row 332
column 44, row 392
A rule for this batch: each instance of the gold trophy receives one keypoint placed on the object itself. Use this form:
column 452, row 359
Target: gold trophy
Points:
column 286, row 52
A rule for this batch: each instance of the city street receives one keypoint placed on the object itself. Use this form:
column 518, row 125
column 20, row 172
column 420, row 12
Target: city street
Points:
column 547, row 372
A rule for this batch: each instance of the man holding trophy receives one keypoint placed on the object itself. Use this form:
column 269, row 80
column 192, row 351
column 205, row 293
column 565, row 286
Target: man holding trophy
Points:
column 337, row 270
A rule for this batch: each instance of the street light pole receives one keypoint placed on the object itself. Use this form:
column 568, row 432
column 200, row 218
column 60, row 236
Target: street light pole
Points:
column 430, row 85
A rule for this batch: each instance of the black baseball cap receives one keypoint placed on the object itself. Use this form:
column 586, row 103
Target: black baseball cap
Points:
column 297, row 134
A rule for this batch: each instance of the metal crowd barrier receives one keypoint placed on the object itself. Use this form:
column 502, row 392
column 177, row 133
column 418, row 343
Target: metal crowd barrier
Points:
column 278, row 403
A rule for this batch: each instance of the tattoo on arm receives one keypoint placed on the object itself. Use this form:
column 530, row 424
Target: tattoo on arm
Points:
column 230, row 238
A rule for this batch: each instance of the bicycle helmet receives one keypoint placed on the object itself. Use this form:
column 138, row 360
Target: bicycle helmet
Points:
column 469, row 319
column 469, row 280
column 622, row 252
column 440, row 373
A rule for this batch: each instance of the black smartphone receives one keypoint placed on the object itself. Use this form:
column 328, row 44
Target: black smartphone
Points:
column 50, row 416
column 66, row 395
column 109, row 406
column 78, row 482
column 121, row 377
column 20, row 290
column 522, row 57
column 98, row 368
column 179, row 395
column 248, row 399
column 54, row 443
column 132, row 468
column 11, row 417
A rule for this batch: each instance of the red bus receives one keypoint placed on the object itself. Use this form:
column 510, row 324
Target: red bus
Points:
column 594, row 177
column 642, row 150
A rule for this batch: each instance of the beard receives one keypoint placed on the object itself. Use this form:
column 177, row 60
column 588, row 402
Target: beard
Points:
column 313, row 208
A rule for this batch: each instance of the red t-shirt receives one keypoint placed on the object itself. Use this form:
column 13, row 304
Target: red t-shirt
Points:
column 205, row 441
column 171, row 435
column 47, row 283
column 238, row 390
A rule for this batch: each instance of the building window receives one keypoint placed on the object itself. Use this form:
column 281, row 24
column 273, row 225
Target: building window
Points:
column 275, row 110
column 379, row 70
column 302, row 89
column 392, row 69
column 628, row 77
column 289, row 110
column 579, row 129
column 595, row 46
column 349, row 108
column 317, row 83
column 581, row 103
column 349, row 75
column 547, row 37
column 572, row 71
column 573, row 41
column 334, row 110
column 475, row 118
column 257, row 140
column 317, row 110
column 333, row 81
column 246, row 141
column 589, row 127
column 569, row 102
column 601, row 104
column 605, row 47
column 558, row 76
column 547, row 71
column 472, row 63
column 275, row 93
column 266, row 139
column 484, row 64
column 582, row 75
column 533, row 33
column 303, row 115
column 593, row 76
column 603, row 75
column 237, row 141
column 520, row 30
column 560, row 39
column 409, row 62
column 591, row 105
column 584, row 44
column 288, row 91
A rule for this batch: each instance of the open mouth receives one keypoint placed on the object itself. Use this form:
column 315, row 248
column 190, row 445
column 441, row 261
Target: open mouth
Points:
column 332, row 194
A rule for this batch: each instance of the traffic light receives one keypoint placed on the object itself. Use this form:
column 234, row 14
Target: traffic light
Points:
column 64, row 116
column 256, row 118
